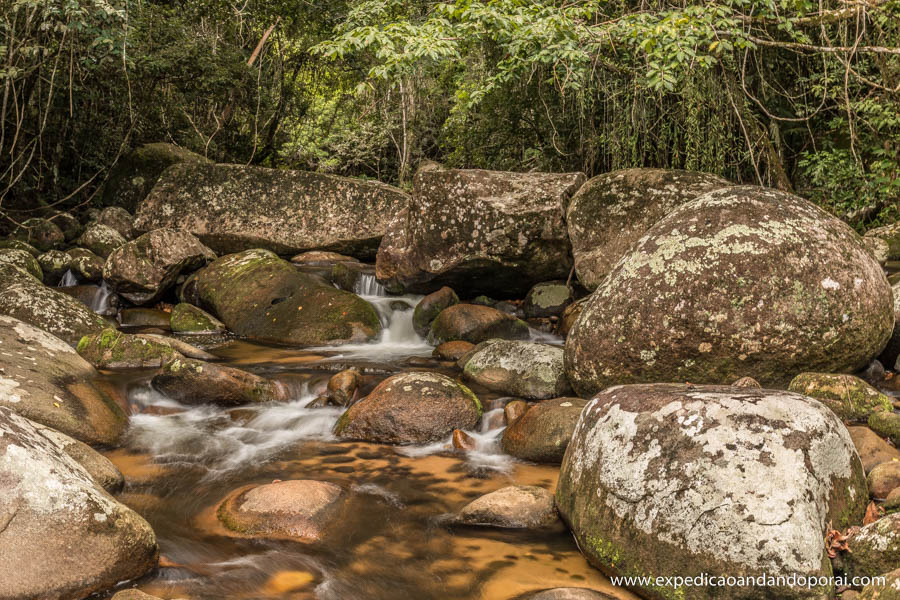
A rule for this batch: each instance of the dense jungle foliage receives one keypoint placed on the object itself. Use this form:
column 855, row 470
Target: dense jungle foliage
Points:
column 797, row 94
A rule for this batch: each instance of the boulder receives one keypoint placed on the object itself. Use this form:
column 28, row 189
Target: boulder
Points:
column 871, row 448
column 614, row 210
column 54, row 265
column 299, row 509
column 179, row 346
column 667, row 479
column 484, row 231
column 743, row 281
column 86, row 265
column 886, row 424
column 514, row 410
column 567, row 594
column 260, row 296
column 135, row 174
column 430, row 307
column 547, row 299
column 234, row 207
column 453, row 350
column 887, row 589
column 874, row 549
column 513, row 507
column 101, row 239
column 192, row 381
column 40, row 233
column 119, row 219
column 851, row 398
column 883, row 479
column 22, row 260
column 101, row 469
column 522, row 369
column 342, row 387
column 542, row 434
column 15, row 244
column 475, row 324
column 746, row 382
column 460, row 440
column 143, row 269
column 133, row 594
column 890, row 234
column 878, row 248
column 68, row 224
column 570, row 315
column 111, row 349
column 411, row 408
column 63, row 536
column 186, row 318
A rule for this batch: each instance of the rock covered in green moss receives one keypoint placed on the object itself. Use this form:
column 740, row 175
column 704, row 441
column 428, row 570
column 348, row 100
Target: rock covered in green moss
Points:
column 483, row 231
column 187, row 318
column 886, row 424
column 15, row 244
column 547, row 299
column 143, row 269
column 516, row 368
column 258, row 295
column 44, row 380
column 874, row 549
column 475, row 324
column 196, row 382
column 235, row 207
column 86, row 265
column 43, row 234
column 101, row 239
column 889, row 589
column 542, row 434
column 666, row 479
column 743, row 281
column 430, row 307
column 23, row 260
column 54, row 265
column 411, row 408
column 851, row 398
column 112, row 349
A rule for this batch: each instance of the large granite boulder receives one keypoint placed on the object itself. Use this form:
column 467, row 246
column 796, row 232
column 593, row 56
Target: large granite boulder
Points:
column 614, row 210
column 43, row 379
column 234, row 207
column 258, row 295
column 143, row 269
column 667, row 479
column 743, row 281
column 111, row 349
column 487, row 232
column 515, row 368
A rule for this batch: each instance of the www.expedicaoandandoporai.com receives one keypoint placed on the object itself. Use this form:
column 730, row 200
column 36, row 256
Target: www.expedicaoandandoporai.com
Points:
column 770, row 581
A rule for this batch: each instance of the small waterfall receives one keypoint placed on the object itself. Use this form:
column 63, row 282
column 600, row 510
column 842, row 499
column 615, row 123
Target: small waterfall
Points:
column 367, row 285
column 68, row 279
column 100, row 302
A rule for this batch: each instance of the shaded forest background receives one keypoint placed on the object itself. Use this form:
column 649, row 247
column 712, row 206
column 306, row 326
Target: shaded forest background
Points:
column 797, row 94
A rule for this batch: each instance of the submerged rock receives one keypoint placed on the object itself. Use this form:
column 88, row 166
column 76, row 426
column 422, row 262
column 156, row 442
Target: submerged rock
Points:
column 112, row 349
column 430, row 307
column 101, row 239
column 665, row 478
column 521, row 369
column 186, row 318
column 542, row 434
column 258, row 295
column 192, row 381
column 63, row 536
column 411, row 408
column 614, row 210
column 743, row 281
column 234, row 207
column 851, row 398
column 475, row 324
column 484, row 231
column 513, row 507
column 43, row 234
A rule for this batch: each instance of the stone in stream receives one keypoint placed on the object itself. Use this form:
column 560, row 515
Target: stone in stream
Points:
column 234, row 207
column 119, row 219
column 133, row 594
column 514, row 410
column 513, row 507
column 743, row 281
column 136, row 172
column 40, row 233
column 566, row 594
column 187, row 318
column 883, row 479
column 430, row 307
column 460, row 440
column 851, row 398
column 192, row 381
column 522, row 369
column 143, row 269
column 100, row 239
column 54, row 264
column 473, row 323
column 666, row 479
column 547, row 299
column 542, row 434
column 260, row 296
column 63, row 536
column 68, row 224
column 887, row 590
column 145, row 317
column 342, row 387
column 410, row 408
column 886, row 424
column 298, row 509
column 111, row 349
column 871, row 448
column 180, row 346
column 484, row 231
column 22, row 260
column 614, row 210
column 874, row 549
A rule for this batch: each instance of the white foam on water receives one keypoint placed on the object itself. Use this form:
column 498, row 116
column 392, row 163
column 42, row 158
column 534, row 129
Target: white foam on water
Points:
column 367, row 285
column 68, row 279
column 100, row 302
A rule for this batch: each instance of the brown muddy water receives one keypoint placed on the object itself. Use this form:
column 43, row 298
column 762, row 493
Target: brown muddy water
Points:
column 391, row 543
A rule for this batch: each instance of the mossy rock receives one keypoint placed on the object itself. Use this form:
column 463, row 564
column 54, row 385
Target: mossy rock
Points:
column 101, row 239
column 197, row 382
column 187, row 318
column 516, row 368
column 886, row 424
column 547, row 299
column 112, row 349
column 23, row 260
column 851, row 398
column 54, row 265
column 14, row 244
column 430, row 307
column 40, row 233
column 874, row 549
column 887, row 590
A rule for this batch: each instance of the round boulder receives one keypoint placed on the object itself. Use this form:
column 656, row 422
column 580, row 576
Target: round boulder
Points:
column 475, row 323
column 513, row 507
column 40, row 233
column 522, row 369
column 743, row 281
column 186, row 318
column 112, row 349
column 101, row 239
column 22, row 260
column 430, row 307
column 547, row 299
column 542, row 434
column 196, row 382
column 871, row 448
column 883, row 479
column 874, row 549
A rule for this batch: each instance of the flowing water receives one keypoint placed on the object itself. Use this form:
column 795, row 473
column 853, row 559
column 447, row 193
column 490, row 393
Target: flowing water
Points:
column 392, row 543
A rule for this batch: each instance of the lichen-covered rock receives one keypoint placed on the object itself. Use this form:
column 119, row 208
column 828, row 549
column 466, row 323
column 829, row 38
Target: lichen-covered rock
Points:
column 101, row 239
column 483, row 231
column 63, row 536
column 101, row 469
column 851, row 398
column 547, row 299
column 878, row 248
column 300, row 509
column 883, row 479
column 192, row 381
column 475, row 324
column 542, row 434
column 513, row 507
column 891, row 235
column 86, row 265
column 40, row 233
column 411, row 408
column 886, row 424
column 258, row 295
column 143, row 269
column 521, row 369
column 14, row 244
column 614, row 210
column 889, row 589
column 665, row 478
column 54, row 265
column 743, row 281
column 23, row 260
column 187, row 318
column 111, row 349
column 874, row 549
column 119, row 219
column 235, row 207
column 135, row 174
column 871, row 448
column 43, row 379
column 68, row 224
column 430, row 307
